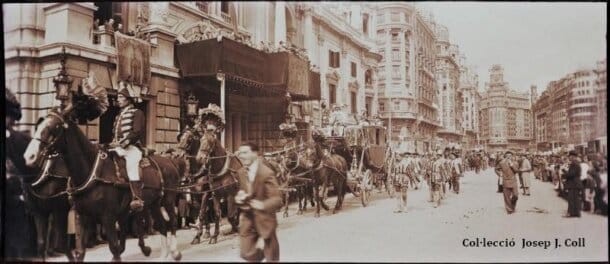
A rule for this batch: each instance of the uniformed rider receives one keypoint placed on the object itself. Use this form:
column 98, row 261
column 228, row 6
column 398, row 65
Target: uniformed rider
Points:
column 129, row 129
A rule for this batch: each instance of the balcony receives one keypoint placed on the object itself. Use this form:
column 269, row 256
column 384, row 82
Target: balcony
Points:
column 398, row 114
column 226, row 17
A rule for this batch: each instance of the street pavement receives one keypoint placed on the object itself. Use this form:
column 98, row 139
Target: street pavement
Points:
column 423, row 234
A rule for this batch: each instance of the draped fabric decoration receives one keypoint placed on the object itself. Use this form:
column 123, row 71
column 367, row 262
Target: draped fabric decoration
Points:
column 278, row 73
column 133, row 60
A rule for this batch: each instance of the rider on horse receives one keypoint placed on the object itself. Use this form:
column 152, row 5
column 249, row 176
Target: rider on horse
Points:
column 129, row 129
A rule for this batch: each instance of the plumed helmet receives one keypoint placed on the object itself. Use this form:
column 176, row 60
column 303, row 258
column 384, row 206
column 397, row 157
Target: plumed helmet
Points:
column 12, row 106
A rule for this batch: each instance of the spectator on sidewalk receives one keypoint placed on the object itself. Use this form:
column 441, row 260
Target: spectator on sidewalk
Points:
column 574, row 187
column 526, row 174
column 506, row 169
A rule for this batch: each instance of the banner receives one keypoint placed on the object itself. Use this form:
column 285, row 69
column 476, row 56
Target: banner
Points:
column 133, row 60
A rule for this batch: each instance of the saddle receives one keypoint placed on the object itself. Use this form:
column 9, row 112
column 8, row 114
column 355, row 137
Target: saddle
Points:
column 121, row 170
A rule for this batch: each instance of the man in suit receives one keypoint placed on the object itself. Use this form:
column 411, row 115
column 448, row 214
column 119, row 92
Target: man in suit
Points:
column 259, row 198
column 573, row 186
column 506, row 169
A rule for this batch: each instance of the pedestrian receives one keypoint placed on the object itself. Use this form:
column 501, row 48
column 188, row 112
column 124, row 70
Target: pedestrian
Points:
column 456, row 172
column 526, row 174
column 507, row 168
column 587, row 183
column 437, row 178
column 401, row 182
column 259, row 198
column 573, row 186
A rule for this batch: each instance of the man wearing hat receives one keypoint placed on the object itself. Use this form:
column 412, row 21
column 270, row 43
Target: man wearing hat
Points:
column 401, row 182
column 456, row 172
column 526, row 174
column 573, row 186
column 129, row 129
column 506, row 169
column 437, row 178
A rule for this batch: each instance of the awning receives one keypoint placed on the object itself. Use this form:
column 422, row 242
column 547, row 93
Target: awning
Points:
column 277, row 72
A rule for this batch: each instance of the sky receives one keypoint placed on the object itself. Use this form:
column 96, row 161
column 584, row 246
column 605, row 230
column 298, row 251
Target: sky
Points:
column 534, row 42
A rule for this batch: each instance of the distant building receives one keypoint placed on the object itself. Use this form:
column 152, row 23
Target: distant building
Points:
column 469, row 83
column 505, row 115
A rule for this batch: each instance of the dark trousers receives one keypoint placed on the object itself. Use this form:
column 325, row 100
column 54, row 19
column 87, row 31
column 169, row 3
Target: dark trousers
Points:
column 249, row 251
column 511, row 194
column 456, row 183
column 574, row 202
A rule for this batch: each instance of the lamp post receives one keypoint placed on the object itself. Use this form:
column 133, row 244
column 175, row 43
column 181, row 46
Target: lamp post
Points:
column 62, row 82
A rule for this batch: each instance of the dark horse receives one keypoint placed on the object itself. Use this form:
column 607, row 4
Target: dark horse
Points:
column 100, row 194
column 220, row 182
column 44, row 194
column 188, row 146
column 293, row 177
column 327, row 169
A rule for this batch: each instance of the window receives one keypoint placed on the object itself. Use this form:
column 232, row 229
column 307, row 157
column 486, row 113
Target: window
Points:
column 395, row 54
column 334, row 60
column 396, row 72
column 224, row 7
column 394, row 37
column 354, row 69
column 396, row 105
column 381, row 107
column 202, row 6
column 368, row 103
column 365, row 24
column 354, row 101
column 108, row 10
column 332, row 94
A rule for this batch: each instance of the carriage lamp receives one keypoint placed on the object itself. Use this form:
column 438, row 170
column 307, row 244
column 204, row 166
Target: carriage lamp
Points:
column 191, row 105
column 62, row 82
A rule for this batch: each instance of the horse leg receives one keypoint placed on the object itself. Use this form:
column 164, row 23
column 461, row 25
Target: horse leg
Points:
column 161, row 226
column 324, row 196
column 202, row 220
column 317, row 197
column 218, row 217
column 141, row 231
column 60, row 226
column 286, row 200
column 41, row 234
column 233, row 214
column 310, row 195
column 338, row 191
column 300, row 198
column 170, row 201
column 109, row 225
column 123, row 224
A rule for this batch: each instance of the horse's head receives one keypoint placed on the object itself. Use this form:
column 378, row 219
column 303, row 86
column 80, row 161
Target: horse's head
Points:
column 207, row 143
column 310, row 156
column 49, row 132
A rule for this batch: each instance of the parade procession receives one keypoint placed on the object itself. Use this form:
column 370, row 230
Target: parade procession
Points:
column 287, row 132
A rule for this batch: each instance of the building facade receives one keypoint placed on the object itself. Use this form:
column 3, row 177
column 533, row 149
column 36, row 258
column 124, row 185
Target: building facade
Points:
column 406, row 82
column 505, row 115
column 448, row 86
column 254, row 108
column 469, row 83
column 571, row 112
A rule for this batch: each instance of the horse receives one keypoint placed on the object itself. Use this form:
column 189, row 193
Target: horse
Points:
column 44, row 194
column 188, row 145
column 327, row 169
column 220, row 182
column 100, row 193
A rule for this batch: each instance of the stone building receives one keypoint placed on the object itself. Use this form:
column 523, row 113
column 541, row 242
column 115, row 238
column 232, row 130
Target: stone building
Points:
column 601, row 121
column 448, row 85
column 582, row 108
column 469, row 83
column 505, row 115
column 238, row 37
column 407, row 92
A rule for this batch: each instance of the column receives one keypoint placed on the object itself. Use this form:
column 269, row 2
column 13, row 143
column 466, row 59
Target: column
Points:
column 345, row 78
column 280, row 22
column 309, row 35
column 221, row 78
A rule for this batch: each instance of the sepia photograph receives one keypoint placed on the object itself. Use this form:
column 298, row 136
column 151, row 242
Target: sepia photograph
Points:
column 331, row 131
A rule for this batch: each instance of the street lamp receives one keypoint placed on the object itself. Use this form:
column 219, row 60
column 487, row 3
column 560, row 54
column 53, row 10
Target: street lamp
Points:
column 62, row 82
column 191, row 105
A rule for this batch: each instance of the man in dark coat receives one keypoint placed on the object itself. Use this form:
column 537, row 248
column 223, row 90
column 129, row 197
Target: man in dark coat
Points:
column 260, row 198
column 506, row 169
column 573, row 186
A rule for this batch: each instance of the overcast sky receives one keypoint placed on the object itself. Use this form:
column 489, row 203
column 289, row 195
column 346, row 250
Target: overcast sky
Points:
column 535, row 42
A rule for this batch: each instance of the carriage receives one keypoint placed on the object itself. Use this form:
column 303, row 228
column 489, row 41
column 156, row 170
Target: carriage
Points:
column 365, row 149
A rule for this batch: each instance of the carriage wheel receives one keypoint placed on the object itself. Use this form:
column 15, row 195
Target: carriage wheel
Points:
column 366, row 187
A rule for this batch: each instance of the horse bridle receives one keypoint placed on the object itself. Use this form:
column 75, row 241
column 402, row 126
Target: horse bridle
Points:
column 47, row 145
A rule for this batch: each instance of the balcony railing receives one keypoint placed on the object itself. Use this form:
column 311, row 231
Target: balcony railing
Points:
column 226, row 17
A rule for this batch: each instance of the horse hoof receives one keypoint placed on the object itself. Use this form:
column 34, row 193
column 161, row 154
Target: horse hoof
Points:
column 146, row 251
column 116, row 259
column 178, row 256
column 195, row 241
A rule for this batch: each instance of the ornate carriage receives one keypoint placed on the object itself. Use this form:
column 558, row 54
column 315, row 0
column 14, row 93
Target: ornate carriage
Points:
column 365, row 149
